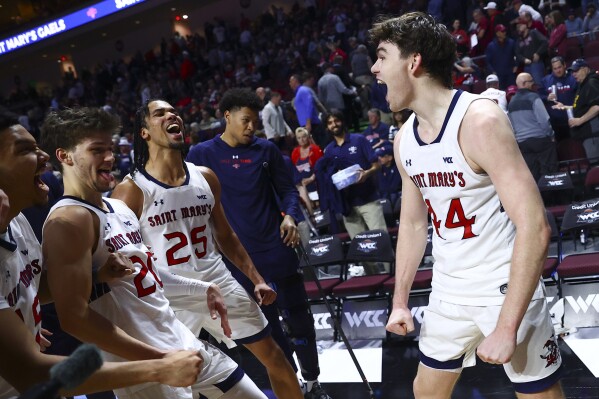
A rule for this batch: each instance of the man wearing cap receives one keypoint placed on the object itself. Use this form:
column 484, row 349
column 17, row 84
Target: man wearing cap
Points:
column 585, row 108
column 521, row 8
column 494, row 93
column 558, row 86
column 531, row 50
column 388, row 177
column 533, row 131
column 500, row 57
column 495, row 15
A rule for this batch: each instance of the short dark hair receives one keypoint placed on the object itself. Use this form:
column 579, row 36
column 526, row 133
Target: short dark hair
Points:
column 67, row 128
column 7, row 119
column 237, row 98
column 419, row 33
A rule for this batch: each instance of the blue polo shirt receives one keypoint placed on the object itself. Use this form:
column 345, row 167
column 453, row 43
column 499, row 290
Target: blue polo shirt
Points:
column 356, row 150
column 247, row 175
column 305, row 107
column 374, row 135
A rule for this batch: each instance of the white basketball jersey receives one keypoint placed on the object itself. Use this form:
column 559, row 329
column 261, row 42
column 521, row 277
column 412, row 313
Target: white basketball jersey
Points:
column 474, row 238
column 135, row 303
column 175, row 222
column 20, row 269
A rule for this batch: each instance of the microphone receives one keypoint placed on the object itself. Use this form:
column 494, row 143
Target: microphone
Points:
column 68, row 374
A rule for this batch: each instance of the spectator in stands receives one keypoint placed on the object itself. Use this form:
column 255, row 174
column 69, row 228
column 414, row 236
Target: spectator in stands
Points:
column 545, row 5
column 531, row 50
column 331, row 89
column 378, row 94
column 591, row 19
column 533, row 23
column 304, row 157
column 376, row 132
column 522, row 8
column 273, row 121
column 565, row 87
column 510, row 92
column 468, row 72
column 585, row 121
column 558, row 31
column 123, row 158
column 399, row 118
column 461, row 38
column 388, row 177
column 306, row 110
column 533, row 131
column 500, row 56
column 573, row 24
column 366, row 211
column 207, row 120
column 484, row 34
column 494, row 93
column 360, row 66
column 495, row 15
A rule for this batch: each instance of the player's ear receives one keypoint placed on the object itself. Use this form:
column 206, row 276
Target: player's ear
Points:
column 227, row 115
column 64, row 156
column 144, row 133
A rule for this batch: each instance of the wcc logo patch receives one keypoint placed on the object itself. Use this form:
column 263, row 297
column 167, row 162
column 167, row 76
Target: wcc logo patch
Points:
column 588, row 216
column 551, row 352
column 320, row 249
column 367, row 246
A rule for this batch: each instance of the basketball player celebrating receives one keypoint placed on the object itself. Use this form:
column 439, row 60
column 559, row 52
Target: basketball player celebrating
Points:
column 23, row 365
column 179, row 210
column 459, row 161
column 82, row 229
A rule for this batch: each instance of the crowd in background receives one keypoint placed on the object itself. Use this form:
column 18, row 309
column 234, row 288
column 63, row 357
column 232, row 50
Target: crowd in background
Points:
column 324, row 44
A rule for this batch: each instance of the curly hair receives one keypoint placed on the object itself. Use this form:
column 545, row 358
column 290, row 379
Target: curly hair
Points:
column 69, row 127
column 419, row 33
column 238, row 98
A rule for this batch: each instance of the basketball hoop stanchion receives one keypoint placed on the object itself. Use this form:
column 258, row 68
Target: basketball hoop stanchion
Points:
column 304, row 255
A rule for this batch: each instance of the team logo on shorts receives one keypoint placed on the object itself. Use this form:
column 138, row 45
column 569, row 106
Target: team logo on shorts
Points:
column 551, row 352
column 320, row 249
column 367, row 246
column 503, row 289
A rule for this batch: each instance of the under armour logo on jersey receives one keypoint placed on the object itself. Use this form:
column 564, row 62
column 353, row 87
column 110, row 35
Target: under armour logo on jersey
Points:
column 235, row 156
column 448, row 159
column 161, row 202
column 25, row 251
column 107, row 226
column 408, row 162
column 128, row 223
column 202, row 197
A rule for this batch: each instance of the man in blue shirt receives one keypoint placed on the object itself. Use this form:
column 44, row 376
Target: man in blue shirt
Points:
column 306, row 107
column 377, row 132
column 350, row 148
column 389, row 179
column 565, row 90
column 256, row 187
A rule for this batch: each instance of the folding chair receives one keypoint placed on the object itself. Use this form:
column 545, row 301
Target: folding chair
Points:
column 579, row 273
column 369, row 246
column 557, row 191
column 323, row 251
column 591, row 183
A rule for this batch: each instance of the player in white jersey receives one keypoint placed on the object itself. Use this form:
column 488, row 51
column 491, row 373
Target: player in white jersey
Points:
column 460, row 164
column 179, row 210
column 131, row 318
column 23, row 365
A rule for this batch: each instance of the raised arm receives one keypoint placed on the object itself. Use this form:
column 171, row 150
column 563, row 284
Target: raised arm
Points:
column 70, row 234
column 231, row 247
column 411, row 243
column 488, row 143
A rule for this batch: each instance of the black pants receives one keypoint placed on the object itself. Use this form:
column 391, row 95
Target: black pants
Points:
column 540, row 155
column 296, row 333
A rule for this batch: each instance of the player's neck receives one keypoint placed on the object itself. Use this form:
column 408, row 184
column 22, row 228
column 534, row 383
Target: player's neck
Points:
column 431, row 106
column 88, row 194
column 166, row 166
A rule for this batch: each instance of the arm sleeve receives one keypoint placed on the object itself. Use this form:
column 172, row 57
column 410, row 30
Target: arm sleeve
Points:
column 542, row 116
column 283, row 182
column 268, row 128
column 175, row 285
